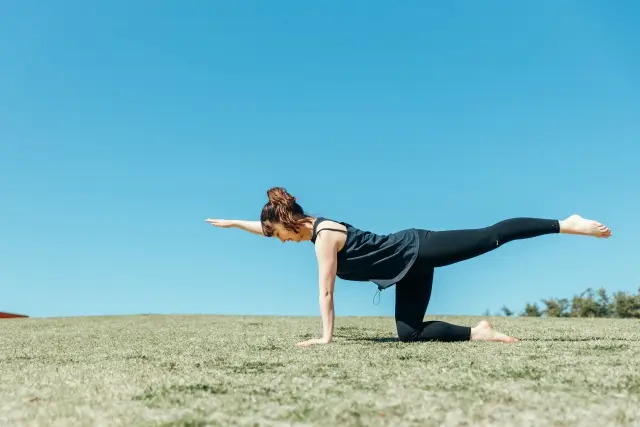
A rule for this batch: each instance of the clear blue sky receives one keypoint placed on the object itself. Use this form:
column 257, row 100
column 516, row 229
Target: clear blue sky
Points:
column 124, row 124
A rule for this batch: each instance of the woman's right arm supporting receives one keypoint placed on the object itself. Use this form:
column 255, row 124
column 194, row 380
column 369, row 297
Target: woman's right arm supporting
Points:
column 254, row 227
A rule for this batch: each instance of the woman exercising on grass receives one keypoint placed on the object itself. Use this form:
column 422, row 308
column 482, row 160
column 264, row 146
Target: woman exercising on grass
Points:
column 406, row 258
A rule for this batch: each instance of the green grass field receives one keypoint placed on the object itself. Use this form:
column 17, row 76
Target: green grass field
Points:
column 246, row 371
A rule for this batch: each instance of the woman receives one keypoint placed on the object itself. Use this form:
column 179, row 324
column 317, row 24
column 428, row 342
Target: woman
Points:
column 406, row 258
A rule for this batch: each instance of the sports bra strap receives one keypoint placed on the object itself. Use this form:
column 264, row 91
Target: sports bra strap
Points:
column 332, row 229
column 316, row 231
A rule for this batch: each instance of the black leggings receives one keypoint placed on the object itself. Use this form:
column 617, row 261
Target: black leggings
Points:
column 440, row 248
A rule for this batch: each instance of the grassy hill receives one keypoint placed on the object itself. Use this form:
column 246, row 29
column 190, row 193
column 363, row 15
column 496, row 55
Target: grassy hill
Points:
column 247, row 371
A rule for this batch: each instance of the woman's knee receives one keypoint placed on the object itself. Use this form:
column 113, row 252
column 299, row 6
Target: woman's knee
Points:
column 406, row 333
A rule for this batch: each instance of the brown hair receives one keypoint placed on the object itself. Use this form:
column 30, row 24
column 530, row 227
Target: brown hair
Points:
column 282, row 208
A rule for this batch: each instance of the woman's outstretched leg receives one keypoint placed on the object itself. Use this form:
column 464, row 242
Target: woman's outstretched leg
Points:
column 440, row 248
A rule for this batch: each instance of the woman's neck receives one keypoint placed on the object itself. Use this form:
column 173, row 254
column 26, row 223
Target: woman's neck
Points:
column 307, row 229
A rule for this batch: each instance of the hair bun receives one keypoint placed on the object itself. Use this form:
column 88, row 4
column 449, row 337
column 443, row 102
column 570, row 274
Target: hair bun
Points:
column 278, row 195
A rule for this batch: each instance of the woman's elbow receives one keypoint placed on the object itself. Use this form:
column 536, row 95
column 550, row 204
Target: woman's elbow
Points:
column 327, row 295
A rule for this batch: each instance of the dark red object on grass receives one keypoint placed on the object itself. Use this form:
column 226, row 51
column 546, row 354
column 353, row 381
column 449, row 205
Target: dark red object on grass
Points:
column 10, row 315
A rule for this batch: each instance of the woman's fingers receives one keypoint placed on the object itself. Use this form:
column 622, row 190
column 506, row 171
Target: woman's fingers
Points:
column 219, row 222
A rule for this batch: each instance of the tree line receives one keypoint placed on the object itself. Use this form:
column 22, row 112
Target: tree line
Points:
column 590, row 303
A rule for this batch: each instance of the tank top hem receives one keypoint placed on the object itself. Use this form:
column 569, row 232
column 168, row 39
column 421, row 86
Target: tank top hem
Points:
column 384, row 284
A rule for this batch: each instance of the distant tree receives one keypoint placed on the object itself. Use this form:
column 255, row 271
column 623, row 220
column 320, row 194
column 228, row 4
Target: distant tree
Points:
column 486, row 313
column 585, row 305
column 506, row 311
column 556, row 307
column 532, row 310
column 626, row 305
column 604, row 303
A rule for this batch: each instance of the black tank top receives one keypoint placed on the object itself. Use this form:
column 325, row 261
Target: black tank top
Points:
column 366, row 256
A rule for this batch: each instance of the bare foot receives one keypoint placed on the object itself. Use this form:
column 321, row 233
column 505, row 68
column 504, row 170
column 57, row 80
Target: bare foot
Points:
column 575, row 224
column 483, row 331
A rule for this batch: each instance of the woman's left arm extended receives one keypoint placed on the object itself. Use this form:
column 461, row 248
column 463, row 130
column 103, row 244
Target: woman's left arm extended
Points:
column 326, row 253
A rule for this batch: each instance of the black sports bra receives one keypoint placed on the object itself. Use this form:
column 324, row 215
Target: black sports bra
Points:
column 316, row 231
